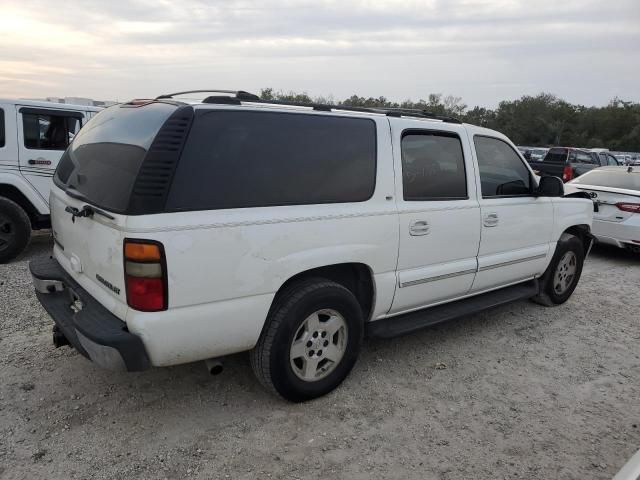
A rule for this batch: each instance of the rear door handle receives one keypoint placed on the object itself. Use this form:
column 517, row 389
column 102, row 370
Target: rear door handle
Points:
column 419, row 227
column 39, row 161
column 491, row 220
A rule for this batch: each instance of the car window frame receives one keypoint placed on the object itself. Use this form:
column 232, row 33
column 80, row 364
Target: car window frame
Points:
column 49, row 112
column 376, row 149
column 524, row 162
column 587, row 155
column 442, row 133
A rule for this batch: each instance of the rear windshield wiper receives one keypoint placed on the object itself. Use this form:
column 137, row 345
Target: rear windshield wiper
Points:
column 87, row 210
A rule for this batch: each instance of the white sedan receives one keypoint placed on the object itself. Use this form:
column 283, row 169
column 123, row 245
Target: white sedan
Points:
column 616, row 191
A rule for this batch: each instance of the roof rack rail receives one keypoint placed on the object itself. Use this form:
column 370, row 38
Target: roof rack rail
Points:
column 242, row 96
column 239, row 94
column 389, row 111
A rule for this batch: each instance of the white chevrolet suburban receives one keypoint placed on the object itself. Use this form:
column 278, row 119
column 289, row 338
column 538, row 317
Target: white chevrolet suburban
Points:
column 33, row 136
column 187, row 232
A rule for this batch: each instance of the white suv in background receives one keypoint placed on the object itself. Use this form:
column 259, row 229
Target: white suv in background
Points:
column 187, row 232
column 33, row 136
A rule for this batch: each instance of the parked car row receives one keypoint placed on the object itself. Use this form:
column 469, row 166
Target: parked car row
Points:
column 189, row 231
column 534, row 154
column 569, row 163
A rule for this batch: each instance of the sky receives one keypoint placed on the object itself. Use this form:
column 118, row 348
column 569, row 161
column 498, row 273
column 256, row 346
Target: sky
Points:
column 485, row 51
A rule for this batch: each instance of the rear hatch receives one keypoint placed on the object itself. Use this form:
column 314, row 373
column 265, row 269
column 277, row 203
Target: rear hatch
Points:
column 93, row 196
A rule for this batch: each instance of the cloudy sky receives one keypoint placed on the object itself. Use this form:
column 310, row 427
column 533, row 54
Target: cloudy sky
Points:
column 586, row 51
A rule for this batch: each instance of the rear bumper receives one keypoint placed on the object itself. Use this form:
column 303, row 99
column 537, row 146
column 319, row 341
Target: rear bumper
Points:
column 620, row 234
column 92, row 330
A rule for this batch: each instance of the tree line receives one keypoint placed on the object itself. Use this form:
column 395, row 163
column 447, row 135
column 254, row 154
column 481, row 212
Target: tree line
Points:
column 542, row 120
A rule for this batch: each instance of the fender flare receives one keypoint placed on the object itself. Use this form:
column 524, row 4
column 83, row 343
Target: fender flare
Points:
column 24, row 187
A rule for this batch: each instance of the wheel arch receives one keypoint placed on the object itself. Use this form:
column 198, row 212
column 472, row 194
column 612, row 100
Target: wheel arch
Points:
column 18, row 191
column 583, row 232
column 354, row 276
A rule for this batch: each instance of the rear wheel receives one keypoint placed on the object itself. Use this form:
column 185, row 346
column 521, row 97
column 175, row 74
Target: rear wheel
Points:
column 311, row 340
column 15, row 229
column 563, row 273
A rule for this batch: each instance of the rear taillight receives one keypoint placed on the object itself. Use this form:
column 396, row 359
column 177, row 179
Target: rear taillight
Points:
column 145, row 274
column 567, row 173
column 629, row 207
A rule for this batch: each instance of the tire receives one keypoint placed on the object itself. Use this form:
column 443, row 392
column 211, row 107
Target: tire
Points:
column 307, row 307
column 563, row 273
column 15, row 230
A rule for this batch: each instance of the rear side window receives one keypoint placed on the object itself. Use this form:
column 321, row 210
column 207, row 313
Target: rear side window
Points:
column 2, row 136
column 556, row 156
column 44, row 131
column 433, row 167
column 103, row 160
column 582, row 157
column 502, row 172
column 256, row 159
column 611, row 160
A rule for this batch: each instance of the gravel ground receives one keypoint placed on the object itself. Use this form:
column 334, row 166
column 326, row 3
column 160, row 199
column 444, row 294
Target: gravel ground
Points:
column 521, row 391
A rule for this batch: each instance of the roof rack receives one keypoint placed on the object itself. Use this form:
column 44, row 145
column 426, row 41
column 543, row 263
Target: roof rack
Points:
column 240, row 96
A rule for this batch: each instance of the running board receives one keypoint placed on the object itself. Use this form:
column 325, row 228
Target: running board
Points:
column 410, row 322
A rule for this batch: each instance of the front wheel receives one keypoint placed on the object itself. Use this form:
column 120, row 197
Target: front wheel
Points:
column 563, row 273
column 311, row 340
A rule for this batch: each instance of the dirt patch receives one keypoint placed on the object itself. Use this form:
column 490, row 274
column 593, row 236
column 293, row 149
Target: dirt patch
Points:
column 521, row 391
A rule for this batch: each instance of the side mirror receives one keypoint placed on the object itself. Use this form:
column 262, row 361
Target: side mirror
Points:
column 550, row 187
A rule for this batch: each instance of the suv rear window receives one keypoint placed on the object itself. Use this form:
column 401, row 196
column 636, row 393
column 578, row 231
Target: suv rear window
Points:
column 238, row 159
column 102, row 162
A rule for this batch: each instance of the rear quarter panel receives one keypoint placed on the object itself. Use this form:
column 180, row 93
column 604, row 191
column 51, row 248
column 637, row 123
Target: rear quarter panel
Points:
column 225, row 266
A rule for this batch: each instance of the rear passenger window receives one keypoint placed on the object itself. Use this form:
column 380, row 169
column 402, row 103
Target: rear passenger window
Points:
column 49, row 132
column 2, row 136
column 433, row 166
column 257, row 159
column 502, row 172
column 582, row 157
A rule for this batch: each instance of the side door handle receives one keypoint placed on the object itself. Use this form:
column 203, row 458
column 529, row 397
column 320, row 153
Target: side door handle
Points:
column 419, row 227
column 491, row 220
column 39, row 161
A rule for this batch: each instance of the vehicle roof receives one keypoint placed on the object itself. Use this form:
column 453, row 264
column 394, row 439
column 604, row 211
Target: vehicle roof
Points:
column 44, row 103
column 309, row 109
column 242, row 100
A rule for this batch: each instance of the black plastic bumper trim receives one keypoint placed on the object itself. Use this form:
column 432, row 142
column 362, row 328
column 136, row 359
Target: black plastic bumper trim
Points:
column 92, row 330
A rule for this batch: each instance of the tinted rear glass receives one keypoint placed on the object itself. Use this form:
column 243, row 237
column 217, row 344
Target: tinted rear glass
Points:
column 558, row 156
column 433, row 166
column 255, row 159
column 612, row 179
column 103, row 160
